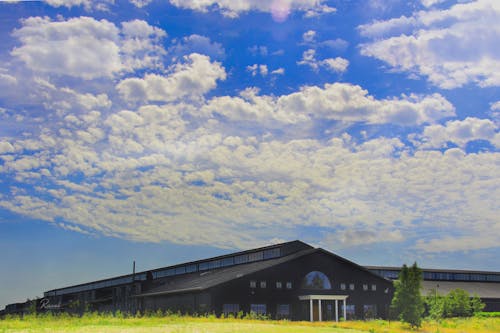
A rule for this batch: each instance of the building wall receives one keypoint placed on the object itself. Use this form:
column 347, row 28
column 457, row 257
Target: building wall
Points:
column 491, row 304
column 240, row 292
column 185, row 303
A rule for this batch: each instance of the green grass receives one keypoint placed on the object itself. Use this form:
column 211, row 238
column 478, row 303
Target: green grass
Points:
column 168, row 324
column 93, row 323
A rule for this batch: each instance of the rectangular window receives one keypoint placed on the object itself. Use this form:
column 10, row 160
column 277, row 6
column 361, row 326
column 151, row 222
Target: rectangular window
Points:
column 272, row 253
column 203, row 266
column 370, row 311
column 258, row 309
column 263, row 284
column 283, row 311
column 191, row 268
column 227, row 262
column 230, row 308
column 342, row 286
column 351, row 286
column 241, row 259
column 288, row 285
column 214, row 264
column 365, row 287
column 253, row 284
column 350, row 310
column 278, row 285
column 256, row 256
column 180, row 270
column 374, row 287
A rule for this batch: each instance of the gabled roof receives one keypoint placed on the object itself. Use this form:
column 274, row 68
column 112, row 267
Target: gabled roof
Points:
column 201, row 281
column 209, row 279
column 286, row 248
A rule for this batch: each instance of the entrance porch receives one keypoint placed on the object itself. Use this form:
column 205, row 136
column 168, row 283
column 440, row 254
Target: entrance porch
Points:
column 315, row 305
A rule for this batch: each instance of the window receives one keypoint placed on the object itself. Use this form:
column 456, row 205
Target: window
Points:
column 350, row 310
column 263, row 284
column 258, row 308
column 180, row 270
column 272, row 253
column 342, row 286
column 288, row 285
column 203, row 266
column 256, row 256
column 214, row 264
column 283, row 311
column 191, row 268
column 278, row 285
column 316, row 280
column 227, row 262
column 230, row 308
column 365, row 287
column 351, row 286
column 241, row 259
column 374, row 287
column 253, row 284
column 370, row 311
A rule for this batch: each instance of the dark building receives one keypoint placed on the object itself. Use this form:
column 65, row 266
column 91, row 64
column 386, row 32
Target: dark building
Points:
column 286, row 281
column 291, row 280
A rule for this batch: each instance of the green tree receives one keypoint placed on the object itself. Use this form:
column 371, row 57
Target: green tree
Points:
column 436, row 305
column 407, row 303
column 476, row 304
column 457, row 303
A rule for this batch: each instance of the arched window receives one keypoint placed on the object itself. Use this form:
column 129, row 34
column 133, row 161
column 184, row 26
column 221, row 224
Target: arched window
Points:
column 316, row 280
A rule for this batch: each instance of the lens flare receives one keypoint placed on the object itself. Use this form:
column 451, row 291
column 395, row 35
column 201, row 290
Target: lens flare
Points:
column 280, row 9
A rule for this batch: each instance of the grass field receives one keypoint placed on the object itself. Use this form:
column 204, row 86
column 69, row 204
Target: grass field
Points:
column 181, row 324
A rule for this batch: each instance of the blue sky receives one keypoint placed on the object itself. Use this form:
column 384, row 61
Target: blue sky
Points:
column 168, row 131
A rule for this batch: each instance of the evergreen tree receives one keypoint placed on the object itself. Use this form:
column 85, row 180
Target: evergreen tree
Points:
column 407, row 303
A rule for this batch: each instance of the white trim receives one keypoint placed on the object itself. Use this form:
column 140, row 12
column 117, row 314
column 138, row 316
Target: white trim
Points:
column 323, row 297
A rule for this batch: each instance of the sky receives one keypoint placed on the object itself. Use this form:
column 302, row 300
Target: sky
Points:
column 165, row 131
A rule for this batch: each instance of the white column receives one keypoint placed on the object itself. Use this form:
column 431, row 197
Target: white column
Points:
column 345, row 310
column 336, row 310
column 311, row 309
column 319, row 308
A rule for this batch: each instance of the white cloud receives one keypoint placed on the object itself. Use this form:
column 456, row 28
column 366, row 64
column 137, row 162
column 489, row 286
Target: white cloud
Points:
column 339, row 101
column 258, row 69
column 451, row 47
column 140, row 3
column 195, row 76
column 336, row 44
column 352, row 237
column 430, row 3
column 309, row 36
column 226, row 185
column 338, row 64
column 279, row 9
column 495, row 106
column 89, row 5
column 197, row 44
column 7, row 80
column 86, row 48
column 459, row 132
column 6, row 147
column 258, row 50
column 279, row 71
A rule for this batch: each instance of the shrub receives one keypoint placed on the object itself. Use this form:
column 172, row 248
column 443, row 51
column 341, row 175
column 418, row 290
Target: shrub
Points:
column 457, row 303
column 487, row 314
